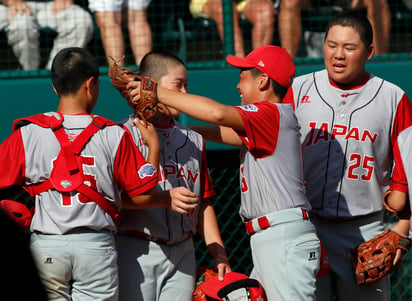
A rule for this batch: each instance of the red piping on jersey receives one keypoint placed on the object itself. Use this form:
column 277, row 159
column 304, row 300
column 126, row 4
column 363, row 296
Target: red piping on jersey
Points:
column 343, row 87
column 68, row 167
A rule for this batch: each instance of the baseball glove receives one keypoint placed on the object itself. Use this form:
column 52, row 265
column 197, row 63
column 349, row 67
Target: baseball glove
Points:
column 373, row 259
column 146, row 106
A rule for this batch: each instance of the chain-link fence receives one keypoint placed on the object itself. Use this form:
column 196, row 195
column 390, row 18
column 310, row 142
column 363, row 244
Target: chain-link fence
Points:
column 225, row 175
column 194, row 36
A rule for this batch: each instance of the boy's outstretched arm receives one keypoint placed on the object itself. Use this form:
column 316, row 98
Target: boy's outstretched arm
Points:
column 218, row 134
column 198, row 107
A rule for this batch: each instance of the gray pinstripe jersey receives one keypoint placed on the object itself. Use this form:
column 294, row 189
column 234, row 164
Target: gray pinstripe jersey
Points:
column 346, row 136
column 180, row 164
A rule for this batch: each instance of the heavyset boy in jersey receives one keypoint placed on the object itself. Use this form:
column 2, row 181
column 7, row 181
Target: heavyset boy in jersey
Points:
column 349, row 120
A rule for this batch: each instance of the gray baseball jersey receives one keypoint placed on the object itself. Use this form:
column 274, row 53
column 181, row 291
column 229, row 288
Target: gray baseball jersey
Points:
column 109, row 166
column 71, row 231
column 271, row 174
column 347, row 136
column 285, row 247
column 182, row 163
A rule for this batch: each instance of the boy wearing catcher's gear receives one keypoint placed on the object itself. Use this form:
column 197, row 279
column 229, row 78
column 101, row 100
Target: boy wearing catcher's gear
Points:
column 285, row 247
column 72, row 234
column 155, row 247
column 349, row 122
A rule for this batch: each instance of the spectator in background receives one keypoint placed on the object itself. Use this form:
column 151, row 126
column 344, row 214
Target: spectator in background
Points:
column 380, row 17
column 109, row 15
column 23, row 20
column 261, row 13
column 290, row 24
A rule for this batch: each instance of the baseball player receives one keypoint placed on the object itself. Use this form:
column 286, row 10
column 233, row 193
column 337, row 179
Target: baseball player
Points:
column 397, row 197
column 284, row 245
column 76, row 165
column 158, row 239
column 349, row 122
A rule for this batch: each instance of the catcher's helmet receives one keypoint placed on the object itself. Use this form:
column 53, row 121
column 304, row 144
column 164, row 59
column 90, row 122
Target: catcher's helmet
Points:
column 17, row 203
column 235, row 286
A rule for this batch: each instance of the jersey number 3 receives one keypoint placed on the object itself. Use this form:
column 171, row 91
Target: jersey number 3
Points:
column 243, row 187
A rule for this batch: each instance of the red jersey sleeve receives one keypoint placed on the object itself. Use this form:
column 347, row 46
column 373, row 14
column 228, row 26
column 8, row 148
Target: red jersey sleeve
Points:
column 261, row 122
column 398, row 180
column 403, row 117
column 12, row 160
column 131, row 171
column 207, row 186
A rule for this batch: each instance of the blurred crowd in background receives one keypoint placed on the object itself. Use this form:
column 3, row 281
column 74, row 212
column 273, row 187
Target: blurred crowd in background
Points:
column 33, row 31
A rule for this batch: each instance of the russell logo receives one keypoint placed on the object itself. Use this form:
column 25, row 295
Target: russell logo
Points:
column 147, row 170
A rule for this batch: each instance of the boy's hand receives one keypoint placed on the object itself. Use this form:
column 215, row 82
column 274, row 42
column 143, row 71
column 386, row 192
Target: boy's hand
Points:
column 148, row 131
column 182, row 200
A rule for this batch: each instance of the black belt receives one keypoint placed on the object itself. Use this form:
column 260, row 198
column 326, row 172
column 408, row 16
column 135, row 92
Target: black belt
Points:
column 141, row 234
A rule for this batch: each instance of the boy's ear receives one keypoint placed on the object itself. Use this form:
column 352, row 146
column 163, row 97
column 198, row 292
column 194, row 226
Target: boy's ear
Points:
column 264, row 80
column 89, row 85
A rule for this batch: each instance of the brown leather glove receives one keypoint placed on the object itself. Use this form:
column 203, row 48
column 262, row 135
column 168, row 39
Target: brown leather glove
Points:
column 146, row 106
column 373, row 259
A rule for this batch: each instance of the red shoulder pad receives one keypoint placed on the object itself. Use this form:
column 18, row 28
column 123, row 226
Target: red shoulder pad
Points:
column 39, row 119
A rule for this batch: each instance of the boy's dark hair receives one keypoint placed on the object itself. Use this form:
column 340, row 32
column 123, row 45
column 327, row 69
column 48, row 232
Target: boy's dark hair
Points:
column 70, row 68
column 156, row 64
column 356, row 19
column 277, row 88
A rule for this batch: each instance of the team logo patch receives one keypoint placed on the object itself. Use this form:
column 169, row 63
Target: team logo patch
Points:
column 147, row 170
column 249, row 108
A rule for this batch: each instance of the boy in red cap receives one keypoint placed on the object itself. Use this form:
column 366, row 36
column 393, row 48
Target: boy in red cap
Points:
column 285, row 247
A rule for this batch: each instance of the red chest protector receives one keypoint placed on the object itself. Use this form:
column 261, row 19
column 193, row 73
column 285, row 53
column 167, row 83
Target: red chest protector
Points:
column 67, row 173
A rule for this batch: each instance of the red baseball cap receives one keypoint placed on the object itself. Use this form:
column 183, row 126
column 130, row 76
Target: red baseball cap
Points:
column 273, row 60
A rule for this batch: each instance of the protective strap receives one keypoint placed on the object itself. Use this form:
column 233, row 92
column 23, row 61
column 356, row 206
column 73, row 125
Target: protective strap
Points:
column 66, row 146
column 100, row 200
column 84, row 189
column 96, row 124
column 70, row 150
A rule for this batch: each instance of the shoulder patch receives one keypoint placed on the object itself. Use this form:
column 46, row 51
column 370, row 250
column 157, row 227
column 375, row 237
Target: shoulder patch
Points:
column 147, row 170
column 249, row 108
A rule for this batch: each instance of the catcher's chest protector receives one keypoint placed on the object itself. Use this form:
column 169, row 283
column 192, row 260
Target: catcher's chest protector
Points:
column 67, row 173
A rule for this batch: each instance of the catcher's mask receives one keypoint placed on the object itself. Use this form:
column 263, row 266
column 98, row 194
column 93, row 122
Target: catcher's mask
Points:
column 17, row 203
column 235, row 286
